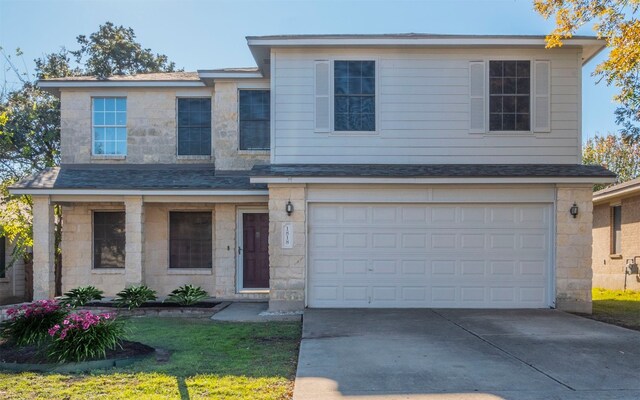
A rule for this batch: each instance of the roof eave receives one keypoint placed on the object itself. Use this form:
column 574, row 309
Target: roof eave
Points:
column 599, row 197
column 54, row 86
column 261, row 46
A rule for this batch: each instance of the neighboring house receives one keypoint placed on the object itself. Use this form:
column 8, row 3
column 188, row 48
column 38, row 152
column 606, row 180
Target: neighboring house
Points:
column 344, row 171
column 12, row 277
column 616, row 236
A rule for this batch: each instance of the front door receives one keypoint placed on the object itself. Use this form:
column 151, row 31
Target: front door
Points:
column 255, row 259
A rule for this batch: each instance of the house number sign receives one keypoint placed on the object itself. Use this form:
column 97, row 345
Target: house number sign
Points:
column 287, row 235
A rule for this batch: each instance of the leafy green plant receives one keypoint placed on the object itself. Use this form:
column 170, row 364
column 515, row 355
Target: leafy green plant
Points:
column 134, row 296
column 81, row 295
column 29, row 323
column 187, row 295
column 84, row 336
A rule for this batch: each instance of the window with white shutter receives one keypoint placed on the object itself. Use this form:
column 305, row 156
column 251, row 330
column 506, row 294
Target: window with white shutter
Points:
column 322, row 98
column 477, row 96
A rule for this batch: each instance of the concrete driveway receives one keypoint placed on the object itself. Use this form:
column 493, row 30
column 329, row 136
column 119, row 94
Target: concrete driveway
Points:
column 464, row 354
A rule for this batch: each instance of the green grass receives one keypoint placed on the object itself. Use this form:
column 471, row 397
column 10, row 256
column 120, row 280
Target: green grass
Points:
column 208, row 361
column 617, row 307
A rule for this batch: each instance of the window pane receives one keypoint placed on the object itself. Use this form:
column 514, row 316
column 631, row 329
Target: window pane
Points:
column 105, row 121
column 190, row 240
column 255, row 120
column 108, row 239
column 617, row 230
column 354, row 95
column 194, row 126
column 509, row 95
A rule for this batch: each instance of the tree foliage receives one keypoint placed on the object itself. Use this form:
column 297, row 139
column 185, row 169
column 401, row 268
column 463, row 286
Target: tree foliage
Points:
column 616, row 22
column 614, row 153
column 30, row 117
column 112, row 50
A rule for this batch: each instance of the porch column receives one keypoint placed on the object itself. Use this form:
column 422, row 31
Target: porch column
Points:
column 134, row 236
column 44, row 285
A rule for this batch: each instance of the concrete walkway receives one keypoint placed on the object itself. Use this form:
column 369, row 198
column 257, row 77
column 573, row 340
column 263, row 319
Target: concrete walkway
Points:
column 252, row 312
column 464, row 354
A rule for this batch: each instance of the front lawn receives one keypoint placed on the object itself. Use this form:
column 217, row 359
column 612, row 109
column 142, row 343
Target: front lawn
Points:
column 617, row 307
column 206, row 360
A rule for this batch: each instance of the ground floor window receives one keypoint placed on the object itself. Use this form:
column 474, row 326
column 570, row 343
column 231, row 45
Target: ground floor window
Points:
column 108, row 239
column 190, row 240
column 3, row 256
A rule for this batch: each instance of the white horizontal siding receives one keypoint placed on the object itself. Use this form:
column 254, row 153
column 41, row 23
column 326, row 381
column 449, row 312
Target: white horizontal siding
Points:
column 422, row 110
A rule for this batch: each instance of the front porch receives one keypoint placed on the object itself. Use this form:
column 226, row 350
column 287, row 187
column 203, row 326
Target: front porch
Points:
column 150, row 255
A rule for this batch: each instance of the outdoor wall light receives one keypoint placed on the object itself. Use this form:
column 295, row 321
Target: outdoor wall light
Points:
column 574, row 210
column 289, row 207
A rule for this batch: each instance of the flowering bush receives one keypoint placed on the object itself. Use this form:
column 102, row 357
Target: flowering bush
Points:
column 29, row 323
column 84, row 336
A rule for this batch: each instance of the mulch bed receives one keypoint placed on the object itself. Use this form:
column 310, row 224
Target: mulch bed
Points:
column 155, row 304
column 32, row 355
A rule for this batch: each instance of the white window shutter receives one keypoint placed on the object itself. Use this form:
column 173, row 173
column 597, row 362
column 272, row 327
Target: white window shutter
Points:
column 542, row 96
column 477, row 97
column 322, row 98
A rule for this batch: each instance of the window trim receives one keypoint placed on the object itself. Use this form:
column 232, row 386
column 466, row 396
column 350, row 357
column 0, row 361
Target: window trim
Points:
column 107, row 270
column 488, row 95
column 612, row 231
column 94, row 155
column 271, row 126
column 332, row 97
column 191, row 271
column 193, row 156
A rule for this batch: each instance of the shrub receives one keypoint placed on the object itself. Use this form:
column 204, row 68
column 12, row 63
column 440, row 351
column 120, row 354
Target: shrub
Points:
column 29, row 323
column 187, row 295
column 81, row 295
column 134, row 296
column 84, row 336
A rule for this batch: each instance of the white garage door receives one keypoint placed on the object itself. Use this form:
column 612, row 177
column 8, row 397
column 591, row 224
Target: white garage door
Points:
column 427, row 255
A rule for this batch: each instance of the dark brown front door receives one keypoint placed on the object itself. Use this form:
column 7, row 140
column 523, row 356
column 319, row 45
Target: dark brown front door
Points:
column 255, row 259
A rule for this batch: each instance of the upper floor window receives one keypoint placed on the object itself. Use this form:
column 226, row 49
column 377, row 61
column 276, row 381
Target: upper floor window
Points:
column 616, row 230
column 3, row 257
column 255, row 119
column 509, row 95
column 108, row 239
column 354, row 96
column 194, row 126
column 109, row 126
column 190, row 240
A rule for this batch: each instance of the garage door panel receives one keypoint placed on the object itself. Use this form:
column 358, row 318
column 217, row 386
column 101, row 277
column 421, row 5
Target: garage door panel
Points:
column 420, row 255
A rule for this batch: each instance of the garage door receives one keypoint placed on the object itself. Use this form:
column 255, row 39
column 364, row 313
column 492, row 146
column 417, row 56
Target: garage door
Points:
column 419, row 255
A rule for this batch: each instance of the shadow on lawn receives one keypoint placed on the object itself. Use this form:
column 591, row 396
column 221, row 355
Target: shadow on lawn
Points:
column 625, row 313
column 183, row 388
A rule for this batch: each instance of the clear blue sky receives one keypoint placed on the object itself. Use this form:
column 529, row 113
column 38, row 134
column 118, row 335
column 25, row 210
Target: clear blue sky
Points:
column 199, row 34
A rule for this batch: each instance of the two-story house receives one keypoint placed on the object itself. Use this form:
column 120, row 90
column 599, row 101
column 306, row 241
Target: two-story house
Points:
column 343, row 171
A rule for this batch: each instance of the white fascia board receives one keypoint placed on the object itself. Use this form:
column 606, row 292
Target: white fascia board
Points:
column 464, row 41
column 230, row 75
column 448, row 180
column 134, row 192
column 107, row 84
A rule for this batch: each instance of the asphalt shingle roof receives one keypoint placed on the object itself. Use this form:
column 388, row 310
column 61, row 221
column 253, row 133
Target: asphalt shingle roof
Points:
column 138, row 176
column 431, row 170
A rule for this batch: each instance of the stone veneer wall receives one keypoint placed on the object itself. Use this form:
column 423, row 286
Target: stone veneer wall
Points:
column 287, row 266
column 573, row 249
column 608, row 270
column 151, row 127
column 219, row 281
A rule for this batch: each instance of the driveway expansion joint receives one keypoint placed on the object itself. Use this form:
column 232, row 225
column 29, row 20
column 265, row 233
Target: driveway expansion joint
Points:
column 504, row 351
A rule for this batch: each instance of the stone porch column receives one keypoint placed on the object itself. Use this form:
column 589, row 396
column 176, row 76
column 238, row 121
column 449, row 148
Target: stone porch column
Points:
column 44, row 285
column 573, row 248
column 287, row 266
column 134, row 235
